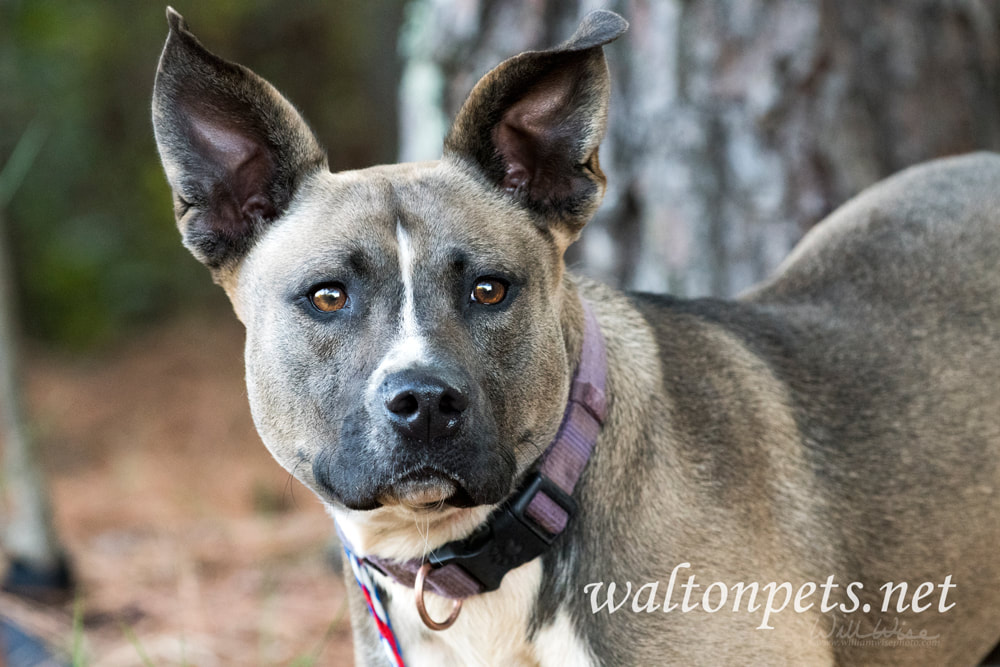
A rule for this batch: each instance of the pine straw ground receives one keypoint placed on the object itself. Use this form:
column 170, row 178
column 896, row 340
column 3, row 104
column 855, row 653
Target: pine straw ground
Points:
column 192, row 546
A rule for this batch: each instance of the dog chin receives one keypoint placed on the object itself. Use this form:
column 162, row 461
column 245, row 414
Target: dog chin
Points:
column 420, row 495
column 424, row 494
column 429, row 490
column 416, row 514
column 400, row 532
column 409, row 482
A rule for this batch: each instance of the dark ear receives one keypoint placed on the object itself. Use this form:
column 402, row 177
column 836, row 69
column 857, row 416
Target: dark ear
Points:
column 233, row 148
column 532, row 125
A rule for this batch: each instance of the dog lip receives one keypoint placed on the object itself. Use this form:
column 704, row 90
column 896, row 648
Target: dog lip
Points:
column 361, row 504
column 425, row 488
column 424, row 493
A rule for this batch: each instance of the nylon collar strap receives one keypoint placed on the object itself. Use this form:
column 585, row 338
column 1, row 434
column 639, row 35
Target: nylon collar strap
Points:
column 528, row 522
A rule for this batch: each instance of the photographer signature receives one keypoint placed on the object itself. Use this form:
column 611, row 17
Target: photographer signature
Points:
column 839, row 627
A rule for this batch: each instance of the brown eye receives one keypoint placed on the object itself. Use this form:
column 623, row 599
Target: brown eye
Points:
column 489, row 291
column 328, row 298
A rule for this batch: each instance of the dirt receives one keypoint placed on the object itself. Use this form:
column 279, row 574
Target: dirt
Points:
column 191, row 545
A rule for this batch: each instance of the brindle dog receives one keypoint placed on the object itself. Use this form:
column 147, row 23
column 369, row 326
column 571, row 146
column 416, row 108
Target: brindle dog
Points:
column 412, row 334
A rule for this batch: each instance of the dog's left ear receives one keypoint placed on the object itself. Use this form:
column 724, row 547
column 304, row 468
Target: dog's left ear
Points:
column 533, row 124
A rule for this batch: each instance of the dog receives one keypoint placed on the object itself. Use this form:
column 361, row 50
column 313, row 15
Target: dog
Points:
column 531, row 468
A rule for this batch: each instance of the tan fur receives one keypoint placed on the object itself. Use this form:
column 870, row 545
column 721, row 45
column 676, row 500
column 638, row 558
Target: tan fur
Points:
column 841, row 419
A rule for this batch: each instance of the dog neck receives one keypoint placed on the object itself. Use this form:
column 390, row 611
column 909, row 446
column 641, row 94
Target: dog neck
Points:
column 530, row 520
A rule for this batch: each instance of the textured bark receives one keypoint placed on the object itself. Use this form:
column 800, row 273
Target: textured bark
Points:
column 734, row 126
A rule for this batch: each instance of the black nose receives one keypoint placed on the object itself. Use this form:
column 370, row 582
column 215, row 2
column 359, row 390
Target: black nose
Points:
column 424, row 406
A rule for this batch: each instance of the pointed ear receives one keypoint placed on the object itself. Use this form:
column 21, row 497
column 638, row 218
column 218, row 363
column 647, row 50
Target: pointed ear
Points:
column 532, row 126
column 233, row 148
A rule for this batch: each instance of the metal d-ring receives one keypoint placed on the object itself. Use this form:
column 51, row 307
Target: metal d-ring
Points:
column 418, row 589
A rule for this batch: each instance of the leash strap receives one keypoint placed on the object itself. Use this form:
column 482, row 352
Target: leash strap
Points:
column 528, row 523
column 378, row 612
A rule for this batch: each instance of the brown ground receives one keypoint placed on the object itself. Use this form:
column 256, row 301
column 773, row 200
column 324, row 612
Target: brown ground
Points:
column 191, row 544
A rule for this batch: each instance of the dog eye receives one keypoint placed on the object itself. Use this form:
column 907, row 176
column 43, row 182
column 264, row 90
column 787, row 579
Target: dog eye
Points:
column 489, row 291
column 329, row 297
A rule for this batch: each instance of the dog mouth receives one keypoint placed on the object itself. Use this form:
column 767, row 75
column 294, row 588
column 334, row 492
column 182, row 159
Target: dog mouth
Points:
column 462, row 477
column 427, row 490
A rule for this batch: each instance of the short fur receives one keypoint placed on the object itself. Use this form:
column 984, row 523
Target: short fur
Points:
column 841, row 419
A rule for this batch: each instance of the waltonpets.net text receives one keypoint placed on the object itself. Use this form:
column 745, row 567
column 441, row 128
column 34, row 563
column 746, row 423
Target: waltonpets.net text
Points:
column 771, row 597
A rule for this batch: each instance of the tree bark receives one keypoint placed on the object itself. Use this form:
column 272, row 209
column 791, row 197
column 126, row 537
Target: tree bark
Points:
column 734, row 127
column 28, row 536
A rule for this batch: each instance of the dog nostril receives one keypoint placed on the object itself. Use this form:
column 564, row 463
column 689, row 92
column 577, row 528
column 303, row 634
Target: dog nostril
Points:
column 404, row 404
column 453, row 402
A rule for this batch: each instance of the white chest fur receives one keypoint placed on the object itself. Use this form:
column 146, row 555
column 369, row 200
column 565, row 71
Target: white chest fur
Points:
column 492, row 628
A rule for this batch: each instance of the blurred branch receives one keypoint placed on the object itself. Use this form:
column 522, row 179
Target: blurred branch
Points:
column 19, row 163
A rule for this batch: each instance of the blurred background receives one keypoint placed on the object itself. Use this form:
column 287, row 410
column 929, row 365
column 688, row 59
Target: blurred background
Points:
column 128, row 451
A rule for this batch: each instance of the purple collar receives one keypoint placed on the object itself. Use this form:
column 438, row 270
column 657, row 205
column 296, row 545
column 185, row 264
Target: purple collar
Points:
column 528, row 522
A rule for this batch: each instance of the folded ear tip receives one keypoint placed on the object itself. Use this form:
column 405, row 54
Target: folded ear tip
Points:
column 608, row 18
column 597, row 29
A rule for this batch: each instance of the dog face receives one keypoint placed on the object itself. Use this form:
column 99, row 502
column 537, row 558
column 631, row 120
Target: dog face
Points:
column 396, row 338
column 405, row 344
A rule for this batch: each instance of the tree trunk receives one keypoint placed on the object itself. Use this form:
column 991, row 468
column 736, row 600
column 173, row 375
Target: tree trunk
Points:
column 28, row 537
column 734, row 127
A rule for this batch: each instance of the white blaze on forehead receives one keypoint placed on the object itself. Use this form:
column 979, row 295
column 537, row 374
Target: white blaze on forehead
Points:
column 409, row 332
column 409, row 346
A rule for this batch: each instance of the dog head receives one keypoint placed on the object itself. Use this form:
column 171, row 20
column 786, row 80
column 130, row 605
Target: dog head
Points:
column 405, row 338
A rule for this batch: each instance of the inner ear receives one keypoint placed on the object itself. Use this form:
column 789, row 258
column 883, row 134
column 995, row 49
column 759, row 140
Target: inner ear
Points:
column 233, row 148
column 532, row 126
column 244, row 169
column 534, row 140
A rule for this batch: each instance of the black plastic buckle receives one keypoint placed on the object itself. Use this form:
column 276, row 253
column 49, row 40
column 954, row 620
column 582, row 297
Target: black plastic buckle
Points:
column 508, row 539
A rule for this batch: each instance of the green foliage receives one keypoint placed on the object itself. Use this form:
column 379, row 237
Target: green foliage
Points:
column 95, row 246
column 78, row 654
column 137, row 645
